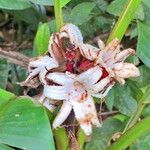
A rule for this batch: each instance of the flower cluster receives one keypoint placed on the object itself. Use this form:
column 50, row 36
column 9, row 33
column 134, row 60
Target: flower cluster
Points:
column 74, row 72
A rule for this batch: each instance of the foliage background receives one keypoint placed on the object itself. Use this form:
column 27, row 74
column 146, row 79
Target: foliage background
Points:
column 25, row 26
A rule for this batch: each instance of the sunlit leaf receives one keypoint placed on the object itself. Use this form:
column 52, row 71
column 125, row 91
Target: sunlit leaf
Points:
column 24, row 125
column 42, row 39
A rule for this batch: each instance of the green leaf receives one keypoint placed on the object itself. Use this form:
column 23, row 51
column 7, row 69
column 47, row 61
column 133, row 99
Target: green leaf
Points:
column 42, row 39
column 3, row 73
column 116, row 7
column 64, row 2
column 22, row 121
column 14, row 4
column 143, row 45
column 81, row 138
column 124, row 20
column 81, row 13
column 61, row 138
column 147, row 2
column 42, row 2
column 131, row 135
column 142, row 143
column 102, row 135
column 123, row 98
column 144, row 79
column 5, row 147
column 48, row 2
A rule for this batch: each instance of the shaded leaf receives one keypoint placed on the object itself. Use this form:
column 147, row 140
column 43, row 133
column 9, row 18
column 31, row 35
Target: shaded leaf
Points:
column 116, row 7
column 131, row 135
column 143, row 45
column 3, row 73
column 81, row 13
column 142, row 143
column 123, row 98
column 144, row 79
column 101, row 136
column 5, row 147
column 14, row 4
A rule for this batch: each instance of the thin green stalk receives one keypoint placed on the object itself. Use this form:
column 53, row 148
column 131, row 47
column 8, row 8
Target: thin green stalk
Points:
column 124, row 20
column 131, row 135
column 58, row 14
column 136, row 115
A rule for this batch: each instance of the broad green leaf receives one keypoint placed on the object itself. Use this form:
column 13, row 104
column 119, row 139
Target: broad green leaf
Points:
column 144, row 79
column 146, row 111
column 124, row 20
column 81, row 13
column 22, row 121
column 143, row 45
column 23, row 15
column 142, row 143
column 48, row 2
column 132, row 135
column 42, row 39
column 14, row 4
column 146, row 8
column 64, row 2
column 147, row 2
column 42, row 2
column 116, row 7
column 101, row 4
column 5, row 147
column 61, row 138
column 123, row 98
column 102, row 135
column 3, row 73
column 5, row 97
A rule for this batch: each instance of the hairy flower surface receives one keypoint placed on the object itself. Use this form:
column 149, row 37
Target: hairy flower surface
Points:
column 77, row 91
column 112, row 59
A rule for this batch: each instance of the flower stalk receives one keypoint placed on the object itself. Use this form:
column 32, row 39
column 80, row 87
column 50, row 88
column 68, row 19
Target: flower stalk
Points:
column 58, row 14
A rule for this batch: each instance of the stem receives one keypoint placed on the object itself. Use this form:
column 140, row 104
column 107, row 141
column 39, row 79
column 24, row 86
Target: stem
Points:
column 58, row 14
column 124, row 20
column 131, row 135
column 136, row 115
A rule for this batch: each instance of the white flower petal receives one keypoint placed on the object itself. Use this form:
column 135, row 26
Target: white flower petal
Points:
column 101, row 44
column 43, row 62
column 55, row 92
column 100, row 85
column 128, row 70
column 73, row 33
column 90, row 76
column 87, row 128
column 102, row 95
column 88, row 51
column 85, row 113
column 63, row 114
column 124, row 54
column 33, row 74
column 59, row 78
